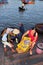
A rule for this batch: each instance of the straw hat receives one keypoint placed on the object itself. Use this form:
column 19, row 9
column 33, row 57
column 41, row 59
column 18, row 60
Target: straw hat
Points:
column 16, row 31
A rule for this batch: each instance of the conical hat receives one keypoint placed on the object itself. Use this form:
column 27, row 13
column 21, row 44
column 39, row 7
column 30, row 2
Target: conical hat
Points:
column 16, row 31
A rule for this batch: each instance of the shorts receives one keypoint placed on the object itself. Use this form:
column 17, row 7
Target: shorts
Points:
column 7, row 44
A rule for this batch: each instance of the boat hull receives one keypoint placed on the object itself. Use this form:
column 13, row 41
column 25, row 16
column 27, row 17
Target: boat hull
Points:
column 39, row 28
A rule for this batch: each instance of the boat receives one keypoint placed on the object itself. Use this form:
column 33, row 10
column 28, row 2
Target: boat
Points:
column 28, row 1
column 24, row 2
column 21, row 9
column 39, row 27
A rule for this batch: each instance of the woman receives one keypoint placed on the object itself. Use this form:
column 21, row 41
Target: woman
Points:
column 6, row 42
column 33, row 35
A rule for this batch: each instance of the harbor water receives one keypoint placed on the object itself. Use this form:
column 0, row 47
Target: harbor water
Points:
column 11, row 16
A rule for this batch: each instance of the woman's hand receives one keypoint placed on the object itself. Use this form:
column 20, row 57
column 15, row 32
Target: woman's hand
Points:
column 22, row 37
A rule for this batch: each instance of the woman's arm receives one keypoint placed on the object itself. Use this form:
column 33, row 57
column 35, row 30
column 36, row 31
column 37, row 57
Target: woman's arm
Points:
column 36, row 37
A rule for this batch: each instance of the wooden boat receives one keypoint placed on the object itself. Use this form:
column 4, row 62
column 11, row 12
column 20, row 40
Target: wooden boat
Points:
column 39, row 27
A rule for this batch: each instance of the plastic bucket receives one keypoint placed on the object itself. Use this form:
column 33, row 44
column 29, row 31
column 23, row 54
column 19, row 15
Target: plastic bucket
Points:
column 39, row 48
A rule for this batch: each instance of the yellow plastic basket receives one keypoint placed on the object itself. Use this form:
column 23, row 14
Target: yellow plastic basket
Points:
column 24, row 45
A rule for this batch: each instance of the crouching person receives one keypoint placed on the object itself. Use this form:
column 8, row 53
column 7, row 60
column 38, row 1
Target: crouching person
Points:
column 6, row 43
column 34, row 36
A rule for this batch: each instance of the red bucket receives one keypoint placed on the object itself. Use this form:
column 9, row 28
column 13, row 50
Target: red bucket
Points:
column 39, row 48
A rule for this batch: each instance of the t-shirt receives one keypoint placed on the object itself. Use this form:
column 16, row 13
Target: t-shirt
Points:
column 4, row 38
column 9, row 30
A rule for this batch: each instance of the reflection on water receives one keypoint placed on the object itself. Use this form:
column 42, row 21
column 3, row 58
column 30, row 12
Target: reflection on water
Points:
column 10, row 15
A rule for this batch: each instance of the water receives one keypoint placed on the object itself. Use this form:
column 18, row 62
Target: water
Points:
column 10, row 15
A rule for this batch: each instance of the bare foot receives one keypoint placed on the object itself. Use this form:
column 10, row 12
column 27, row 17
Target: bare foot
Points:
column 13, row 51
column 30, row 52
